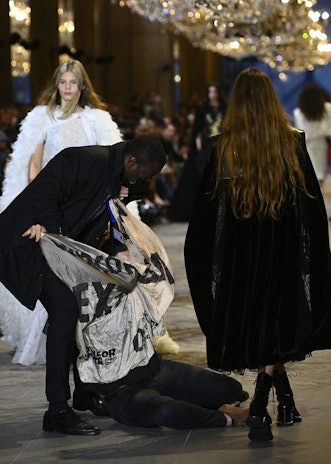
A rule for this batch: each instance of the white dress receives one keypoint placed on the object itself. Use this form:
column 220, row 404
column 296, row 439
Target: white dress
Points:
column 23, row 329
column 316, row 133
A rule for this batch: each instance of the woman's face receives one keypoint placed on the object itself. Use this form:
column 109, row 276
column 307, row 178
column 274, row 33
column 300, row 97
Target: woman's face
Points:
column 68, row 86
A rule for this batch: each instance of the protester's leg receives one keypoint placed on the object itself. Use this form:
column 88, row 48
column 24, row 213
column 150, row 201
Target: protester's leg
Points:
column 197, row 385
column 181, row 396
column 146, row 407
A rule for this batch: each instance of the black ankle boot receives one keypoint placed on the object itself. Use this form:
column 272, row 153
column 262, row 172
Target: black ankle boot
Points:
column 259, row 420
column 287, row 412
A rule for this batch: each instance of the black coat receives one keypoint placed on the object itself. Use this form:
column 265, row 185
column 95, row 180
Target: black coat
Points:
column 66, row 197
column 261, row 289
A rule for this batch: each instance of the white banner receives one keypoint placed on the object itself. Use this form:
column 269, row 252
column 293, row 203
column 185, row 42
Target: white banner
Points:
column 121, row 303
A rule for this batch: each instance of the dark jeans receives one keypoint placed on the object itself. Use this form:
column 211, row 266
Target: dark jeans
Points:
column 62, row 310
column 180, row 396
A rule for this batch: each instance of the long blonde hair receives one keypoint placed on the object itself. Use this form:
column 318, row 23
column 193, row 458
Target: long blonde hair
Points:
column 257, row 149
column 86, row 96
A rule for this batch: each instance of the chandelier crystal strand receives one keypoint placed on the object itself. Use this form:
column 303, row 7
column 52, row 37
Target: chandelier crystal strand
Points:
column 284, row 33
column 281, row 33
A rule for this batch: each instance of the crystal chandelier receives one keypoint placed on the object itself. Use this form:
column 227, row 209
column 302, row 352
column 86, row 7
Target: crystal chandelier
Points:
column 284, row 33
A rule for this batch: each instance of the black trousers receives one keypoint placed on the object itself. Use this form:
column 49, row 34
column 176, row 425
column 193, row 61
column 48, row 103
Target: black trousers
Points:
column 62, row 310
column 179, row 396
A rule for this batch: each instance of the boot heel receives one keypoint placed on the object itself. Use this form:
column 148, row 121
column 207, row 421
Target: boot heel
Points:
column 260, row 429
column 285, row 415
column 296, row 415
column 287, row 412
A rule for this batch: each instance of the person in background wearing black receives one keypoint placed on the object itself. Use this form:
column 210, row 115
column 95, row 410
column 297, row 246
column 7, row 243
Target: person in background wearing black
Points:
column 207, row 123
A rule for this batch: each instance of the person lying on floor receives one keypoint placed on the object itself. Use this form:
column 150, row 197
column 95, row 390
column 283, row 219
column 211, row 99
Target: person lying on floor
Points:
column 121, row 309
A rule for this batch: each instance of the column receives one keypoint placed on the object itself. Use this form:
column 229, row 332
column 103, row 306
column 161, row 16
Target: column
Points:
column 44, row 28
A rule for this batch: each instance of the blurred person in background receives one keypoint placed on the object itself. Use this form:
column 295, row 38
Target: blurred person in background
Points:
column 313, row 116
column 207, row 123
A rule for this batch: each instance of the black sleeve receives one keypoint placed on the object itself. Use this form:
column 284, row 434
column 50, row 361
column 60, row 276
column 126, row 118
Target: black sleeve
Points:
column 58, row 182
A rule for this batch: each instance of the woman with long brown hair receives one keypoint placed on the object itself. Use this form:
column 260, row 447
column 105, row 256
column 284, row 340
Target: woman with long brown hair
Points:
column 257, row 250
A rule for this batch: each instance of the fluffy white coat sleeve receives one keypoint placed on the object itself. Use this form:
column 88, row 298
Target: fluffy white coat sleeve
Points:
column 106, row 131
column 32, row 133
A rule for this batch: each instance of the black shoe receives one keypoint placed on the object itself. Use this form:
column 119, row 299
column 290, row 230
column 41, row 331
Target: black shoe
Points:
column 82, row 401
column 68, row 422
column 243, row 397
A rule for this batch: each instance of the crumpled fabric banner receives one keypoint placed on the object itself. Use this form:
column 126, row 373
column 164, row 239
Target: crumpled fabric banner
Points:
column 121, row 303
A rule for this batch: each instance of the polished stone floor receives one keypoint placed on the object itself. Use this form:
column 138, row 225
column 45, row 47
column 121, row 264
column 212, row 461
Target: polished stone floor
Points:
column 22, row 404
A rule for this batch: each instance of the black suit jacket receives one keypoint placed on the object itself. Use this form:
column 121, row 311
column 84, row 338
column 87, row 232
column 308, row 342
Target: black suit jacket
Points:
column 66, row 197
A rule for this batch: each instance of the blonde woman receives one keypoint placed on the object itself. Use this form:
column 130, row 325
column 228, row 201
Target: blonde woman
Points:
column 257, row 250
column 69, row 113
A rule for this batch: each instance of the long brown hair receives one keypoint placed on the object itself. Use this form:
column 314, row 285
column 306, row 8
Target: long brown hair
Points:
column 257, row 149
column 87, row 96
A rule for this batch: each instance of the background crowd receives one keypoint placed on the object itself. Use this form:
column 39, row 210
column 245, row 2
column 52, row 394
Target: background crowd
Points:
column 184, row 136
column 144, row 114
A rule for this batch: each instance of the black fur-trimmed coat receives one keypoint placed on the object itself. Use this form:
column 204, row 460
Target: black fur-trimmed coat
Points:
column 261, row 289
